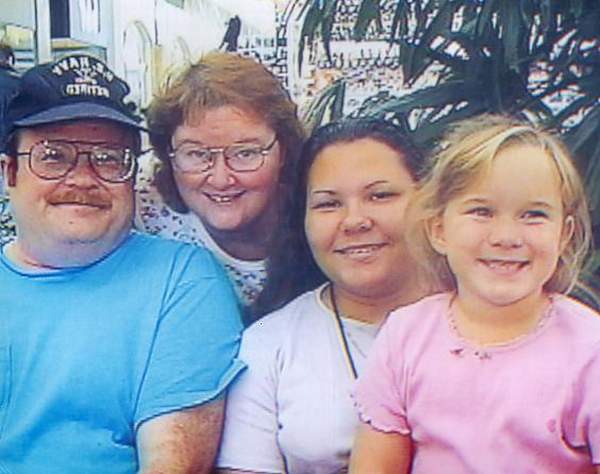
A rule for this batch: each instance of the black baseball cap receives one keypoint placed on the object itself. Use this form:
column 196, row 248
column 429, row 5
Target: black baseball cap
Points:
column 73, row 87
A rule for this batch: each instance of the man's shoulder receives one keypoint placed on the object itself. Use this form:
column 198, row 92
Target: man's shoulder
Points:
column 162, row 244
column 153, row 251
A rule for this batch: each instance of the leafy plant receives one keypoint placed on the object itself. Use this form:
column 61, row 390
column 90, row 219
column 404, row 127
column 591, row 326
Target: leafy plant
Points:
column 534, row 57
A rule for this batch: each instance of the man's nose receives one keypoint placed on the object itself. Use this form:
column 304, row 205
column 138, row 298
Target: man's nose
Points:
column 82, row 174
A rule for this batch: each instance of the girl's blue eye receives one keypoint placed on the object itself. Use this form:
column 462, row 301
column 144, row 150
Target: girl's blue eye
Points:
column 480, row 211
column 535, row 214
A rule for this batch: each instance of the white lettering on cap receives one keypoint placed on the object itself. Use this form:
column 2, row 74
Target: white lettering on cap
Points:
column 85, row 67
column 87, row 90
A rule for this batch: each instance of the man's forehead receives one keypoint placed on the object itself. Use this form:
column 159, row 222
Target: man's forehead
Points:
column 85, row 130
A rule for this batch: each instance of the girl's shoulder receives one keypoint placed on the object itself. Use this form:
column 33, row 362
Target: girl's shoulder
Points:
column 422, row 317
column 576, row 318
column 427, row 308
column 570, row 304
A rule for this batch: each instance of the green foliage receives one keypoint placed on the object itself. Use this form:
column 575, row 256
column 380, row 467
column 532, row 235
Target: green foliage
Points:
column 318, row 19
column 368, row 13
column 329, row 104
column 498, row 56
column 486, row 54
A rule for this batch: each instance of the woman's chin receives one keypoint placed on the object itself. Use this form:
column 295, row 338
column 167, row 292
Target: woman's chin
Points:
column 230, row 224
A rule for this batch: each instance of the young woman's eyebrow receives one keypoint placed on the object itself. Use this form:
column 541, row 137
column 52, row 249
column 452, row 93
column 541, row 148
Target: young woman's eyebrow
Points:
column 375, row 183
column 322, row 191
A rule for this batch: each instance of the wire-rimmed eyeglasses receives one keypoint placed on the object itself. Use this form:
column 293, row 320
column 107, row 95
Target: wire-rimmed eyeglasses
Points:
column 54, row 159
column 191, row 157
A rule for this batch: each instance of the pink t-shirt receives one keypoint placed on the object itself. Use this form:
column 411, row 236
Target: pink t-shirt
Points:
column 530, row 406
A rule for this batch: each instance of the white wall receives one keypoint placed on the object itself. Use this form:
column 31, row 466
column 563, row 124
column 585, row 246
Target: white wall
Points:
column 169, row 36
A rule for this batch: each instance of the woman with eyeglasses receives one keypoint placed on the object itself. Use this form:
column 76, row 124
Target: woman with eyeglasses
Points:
column 347, row 259
column 226, row 135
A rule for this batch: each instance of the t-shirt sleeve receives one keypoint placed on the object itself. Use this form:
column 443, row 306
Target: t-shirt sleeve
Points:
column 251, row 424
column 581, row 423
column 194, row 352
column 379, row 394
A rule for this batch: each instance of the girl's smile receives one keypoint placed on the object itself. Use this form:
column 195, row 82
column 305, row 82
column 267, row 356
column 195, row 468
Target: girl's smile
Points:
column 504, row 266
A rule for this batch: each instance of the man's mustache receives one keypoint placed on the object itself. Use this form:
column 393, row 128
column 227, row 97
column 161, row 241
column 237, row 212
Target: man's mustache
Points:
column 88, row 198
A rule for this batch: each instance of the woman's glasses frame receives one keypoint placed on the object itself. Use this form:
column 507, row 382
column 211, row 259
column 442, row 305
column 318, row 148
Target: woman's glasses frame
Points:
column 230, row 154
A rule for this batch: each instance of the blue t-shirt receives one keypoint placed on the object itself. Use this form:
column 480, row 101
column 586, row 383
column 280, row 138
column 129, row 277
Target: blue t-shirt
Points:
column 88, row 354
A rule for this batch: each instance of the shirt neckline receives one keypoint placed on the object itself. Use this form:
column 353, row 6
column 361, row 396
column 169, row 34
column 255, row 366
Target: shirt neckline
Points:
column 198, row 226
column 50, row 272
column 459, row 344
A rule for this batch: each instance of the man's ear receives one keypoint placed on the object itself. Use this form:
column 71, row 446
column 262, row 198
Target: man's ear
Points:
column 8, row 165
column 436, row 234
column 567, row 232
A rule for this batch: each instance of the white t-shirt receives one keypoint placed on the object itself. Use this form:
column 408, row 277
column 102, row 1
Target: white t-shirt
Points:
column 155, row 217
column 291, row 410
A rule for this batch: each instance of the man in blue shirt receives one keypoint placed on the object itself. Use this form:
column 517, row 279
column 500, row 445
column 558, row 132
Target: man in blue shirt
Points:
column 115, row 347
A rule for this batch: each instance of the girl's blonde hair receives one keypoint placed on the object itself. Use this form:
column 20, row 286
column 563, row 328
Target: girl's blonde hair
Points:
column 468, row 151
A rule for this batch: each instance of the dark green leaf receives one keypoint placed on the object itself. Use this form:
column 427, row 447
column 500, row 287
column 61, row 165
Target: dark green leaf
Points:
column 512, row 33
column 368, row 12
column 329, row 102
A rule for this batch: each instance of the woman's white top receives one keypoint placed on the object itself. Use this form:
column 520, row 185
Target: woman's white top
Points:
column 155, row 217
column 291, row 410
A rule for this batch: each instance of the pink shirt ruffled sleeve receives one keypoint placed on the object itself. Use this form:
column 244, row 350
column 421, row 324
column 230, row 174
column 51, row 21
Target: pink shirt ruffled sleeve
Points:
column 381, row 389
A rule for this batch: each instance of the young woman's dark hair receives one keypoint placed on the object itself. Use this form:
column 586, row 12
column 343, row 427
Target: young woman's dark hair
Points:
column 292, row 269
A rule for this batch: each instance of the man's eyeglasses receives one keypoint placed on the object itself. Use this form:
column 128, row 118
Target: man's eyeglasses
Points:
column 54, row 159
column 190, row 157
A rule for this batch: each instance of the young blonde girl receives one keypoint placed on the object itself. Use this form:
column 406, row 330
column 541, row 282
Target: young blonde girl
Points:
column 501, row 373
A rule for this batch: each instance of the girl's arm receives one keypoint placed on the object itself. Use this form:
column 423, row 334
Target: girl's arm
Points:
column 377, row 452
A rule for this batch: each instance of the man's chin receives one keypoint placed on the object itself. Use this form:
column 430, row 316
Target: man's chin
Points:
column 232, row 224
column 73, row 249
column 81, row 236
